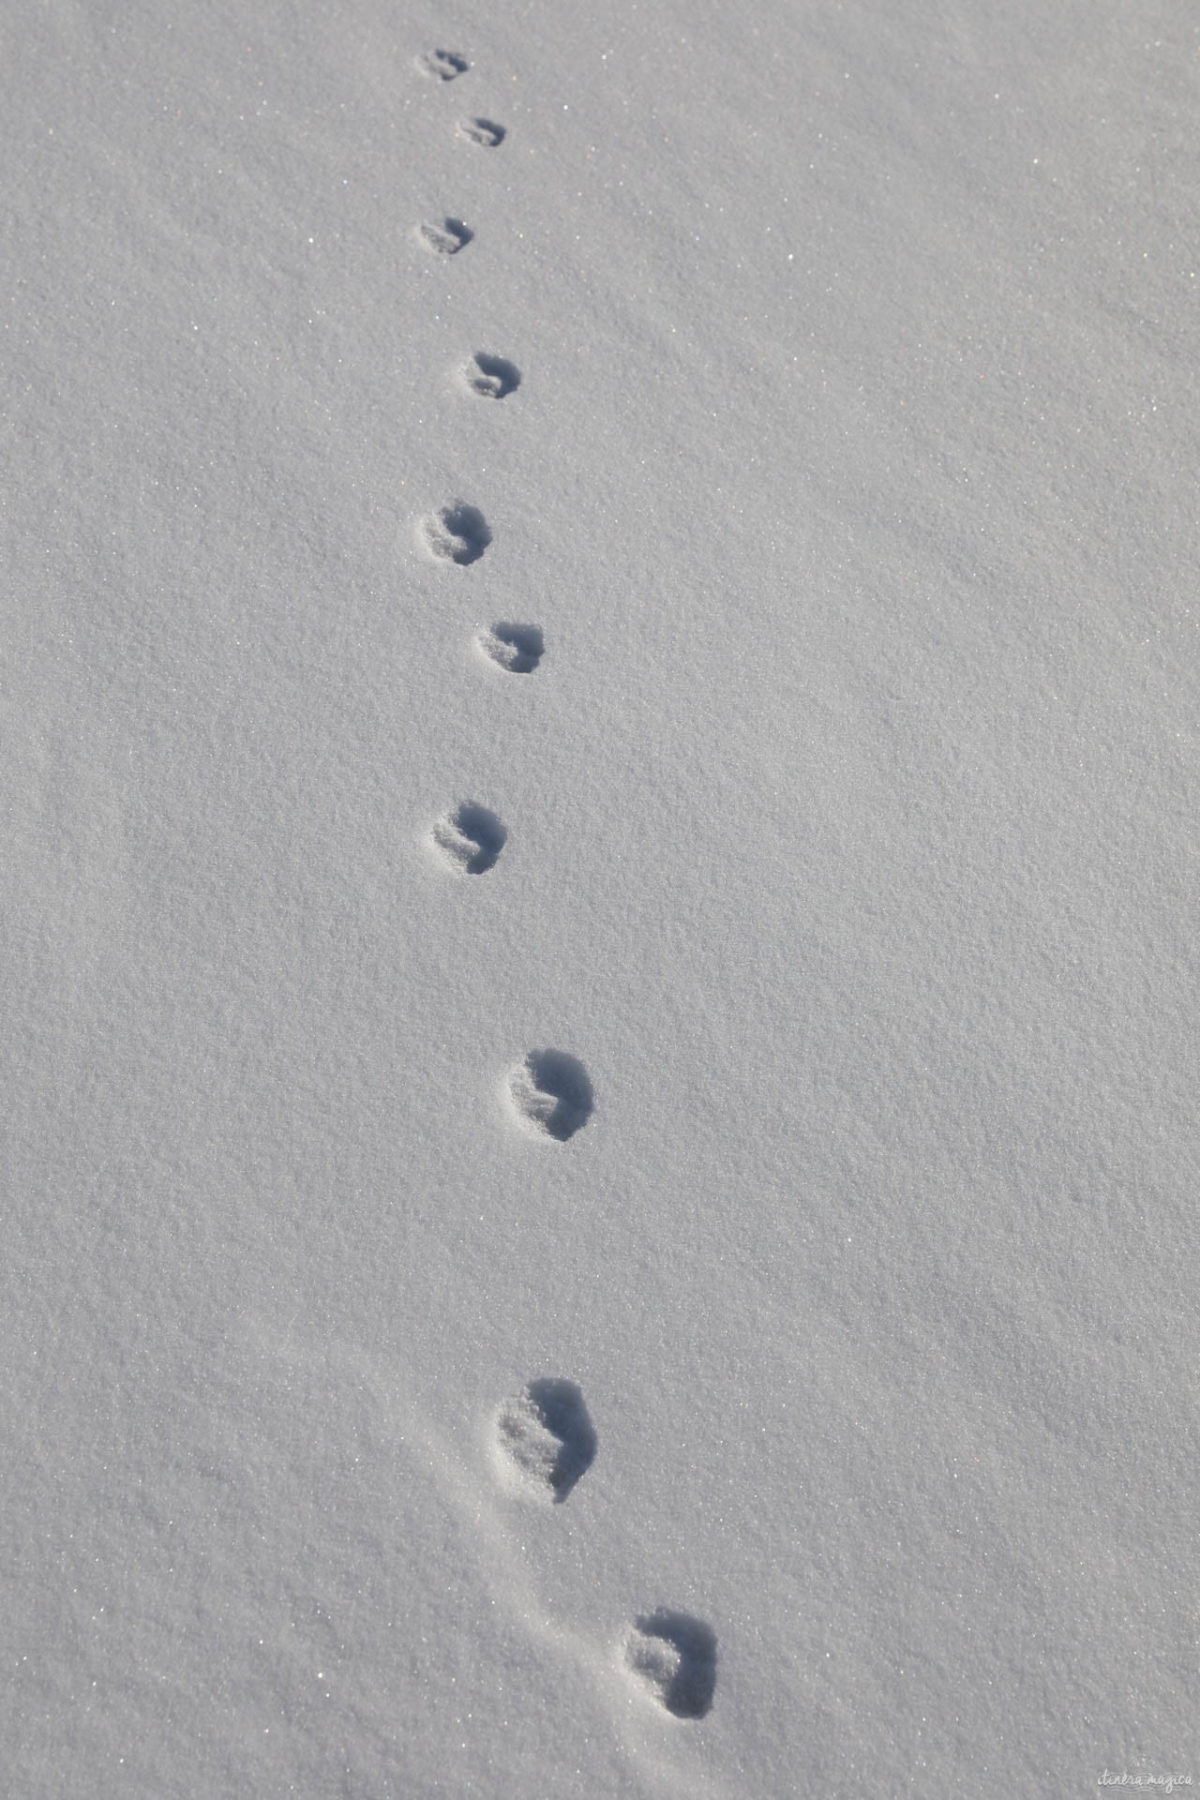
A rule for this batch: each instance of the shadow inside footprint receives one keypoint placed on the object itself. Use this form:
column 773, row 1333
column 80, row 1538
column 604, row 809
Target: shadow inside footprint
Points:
column 675, row 1656
column 446, row 238
column 517, row 648
column 471, row 838
column 484, row 132
column 456, row 533
column 443, row 65
column 552, row 1093
column 548, row 1434
column 491, row 377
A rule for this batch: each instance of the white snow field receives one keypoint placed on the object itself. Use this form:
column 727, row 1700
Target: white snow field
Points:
column 599, row 880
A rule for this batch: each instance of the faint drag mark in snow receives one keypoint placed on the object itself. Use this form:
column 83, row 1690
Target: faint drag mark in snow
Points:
column 442, row 65
column 491, row 377
column 517, row 648
column 470, row 838
column 547, row 1438
column 674, row 1657
column 456, row 533
column 484, row 132
column 446, row 239
column 504, row 1566
column 552, row 1094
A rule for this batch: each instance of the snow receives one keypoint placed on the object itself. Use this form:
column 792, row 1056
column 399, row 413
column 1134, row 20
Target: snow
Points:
column 599, row 840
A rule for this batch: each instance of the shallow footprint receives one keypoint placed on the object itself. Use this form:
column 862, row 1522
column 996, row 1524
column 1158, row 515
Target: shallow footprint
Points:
column 455, row 533
column 484, row 132
column 517, row 648
column 491, row 377
column 552, row 1094
column 674, row 1656
column 446, row 239
column 443, row 65
column 547, row 1438
column 470, row 838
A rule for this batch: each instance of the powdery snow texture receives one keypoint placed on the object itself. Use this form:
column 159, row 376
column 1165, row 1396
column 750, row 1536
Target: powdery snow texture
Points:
column 725, row 477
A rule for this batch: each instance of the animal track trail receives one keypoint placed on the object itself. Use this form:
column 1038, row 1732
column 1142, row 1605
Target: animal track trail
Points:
column 442, row 65
column 484, row 132
column 551, row 1094
column 674, row 1658
column 546, row 1439
column 518, row 649
column 491, row 377
column 456, row 533
column 444, row 239
column 470, row 838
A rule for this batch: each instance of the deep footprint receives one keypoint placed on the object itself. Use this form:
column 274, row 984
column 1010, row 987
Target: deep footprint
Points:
column 446, row 239
column 456, row 533
column 491, row 377
column 547, row 1436
column 470, row 838
column 517, row 648
column 675, row 1658
column 552, row 1094
column 443, row 65
column 484, row 132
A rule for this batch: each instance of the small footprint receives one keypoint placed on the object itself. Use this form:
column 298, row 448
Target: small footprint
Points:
column 443, row 65
column 485, row 132
column 446, row 239
column 470, row 838
column 675, row 1658
column 552, row 1094
column 491, row 377
column 547, row 1437
column 517, row 648
column 456, row 533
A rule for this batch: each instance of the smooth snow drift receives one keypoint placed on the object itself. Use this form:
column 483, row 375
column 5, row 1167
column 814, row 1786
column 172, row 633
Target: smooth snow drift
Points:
column 600, row 780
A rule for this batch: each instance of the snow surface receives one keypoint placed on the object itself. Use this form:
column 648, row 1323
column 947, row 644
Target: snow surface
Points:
column 847, row 772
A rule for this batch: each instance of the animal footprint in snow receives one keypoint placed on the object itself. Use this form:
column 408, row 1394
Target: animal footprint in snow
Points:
column 546, row 1439
column 470, row 838
column 674, row 1657
column 491, row 377
column 551, row 1094
column 484, row 132
column 443, row 65
column 517, row 648
column 456, row 533
column 446, row 239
